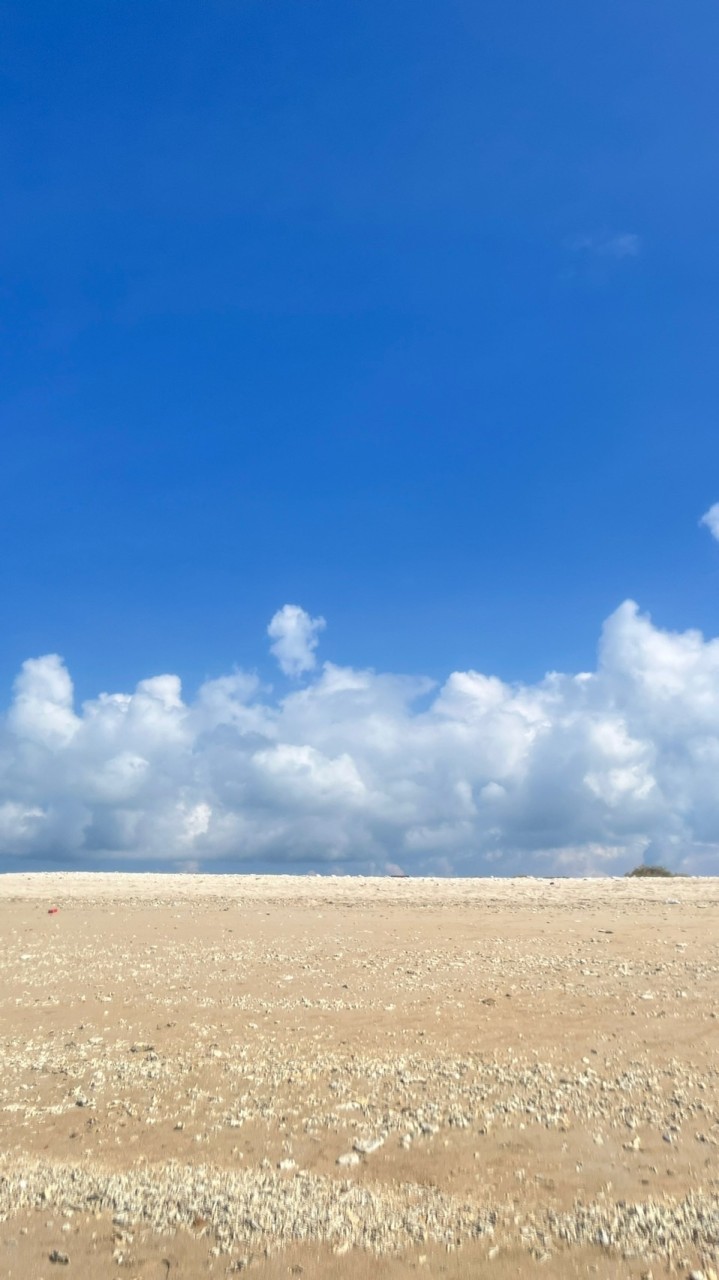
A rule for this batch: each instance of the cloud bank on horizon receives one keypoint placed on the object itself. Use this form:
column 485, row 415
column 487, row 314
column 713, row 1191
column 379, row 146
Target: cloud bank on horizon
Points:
column 354, row 770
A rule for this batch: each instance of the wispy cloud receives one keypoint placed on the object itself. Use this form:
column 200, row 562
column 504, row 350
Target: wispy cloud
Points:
column 617, row 245
column 711, row 520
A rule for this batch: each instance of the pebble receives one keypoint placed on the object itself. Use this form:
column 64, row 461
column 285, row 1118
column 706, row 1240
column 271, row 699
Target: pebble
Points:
column 310, row 1207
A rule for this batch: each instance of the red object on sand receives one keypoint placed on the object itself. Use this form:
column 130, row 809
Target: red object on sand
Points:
column 53, row 911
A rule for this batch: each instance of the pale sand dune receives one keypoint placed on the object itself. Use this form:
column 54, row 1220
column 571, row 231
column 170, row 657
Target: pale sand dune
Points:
column 523, row 1075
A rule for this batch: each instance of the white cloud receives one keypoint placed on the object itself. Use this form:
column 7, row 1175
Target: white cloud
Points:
column 42, row 710
column 711, row 520
column 294, row 636
column 622, row 244
column 358, row 770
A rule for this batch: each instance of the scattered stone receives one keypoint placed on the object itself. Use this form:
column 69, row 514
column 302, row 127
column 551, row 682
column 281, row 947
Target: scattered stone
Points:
column 366, row 1146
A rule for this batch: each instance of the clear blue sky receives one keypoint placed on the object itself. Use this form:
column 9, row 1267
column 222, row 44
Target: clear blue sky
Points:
column 406, row 313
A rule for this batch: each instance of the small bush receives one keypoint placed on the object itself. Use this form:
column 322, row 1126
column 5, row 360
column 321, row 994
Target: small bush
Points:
column 650, row 871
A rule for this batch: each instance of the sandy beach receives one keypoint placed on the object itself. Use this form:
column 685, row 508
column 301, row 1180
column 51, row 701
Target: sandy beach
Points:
column 349, row 1077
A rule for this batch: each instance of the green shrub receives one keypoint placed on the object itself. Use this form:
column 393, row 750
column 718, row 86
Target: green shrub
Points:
column 650, row 871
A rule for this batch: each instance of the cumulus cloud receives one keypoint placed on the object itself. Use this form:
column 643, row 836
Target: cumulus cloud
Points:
column 295, row 636
column 711, row 520
column 364, row 771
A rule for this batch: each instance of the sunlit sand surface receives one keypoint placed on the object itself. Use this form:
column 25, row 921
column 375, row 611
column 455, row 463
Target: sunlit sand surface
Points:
column 357, row 1077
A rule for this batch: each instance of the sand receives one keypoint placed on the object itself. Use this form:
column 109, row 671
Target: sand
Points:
column 517, row 1077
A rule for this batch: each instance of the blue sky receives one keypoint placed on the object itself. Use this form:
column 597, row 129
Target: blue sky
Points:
column 404, row 313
